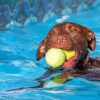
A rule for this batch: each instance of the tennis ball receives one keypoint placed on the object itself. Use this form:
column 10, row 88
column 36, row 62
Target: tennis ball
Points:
column 69, row 54
column 55, row 57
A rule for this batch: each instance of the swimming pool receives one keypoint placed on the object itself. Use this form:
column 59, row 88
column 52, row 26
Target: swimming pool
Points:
column 19, row 68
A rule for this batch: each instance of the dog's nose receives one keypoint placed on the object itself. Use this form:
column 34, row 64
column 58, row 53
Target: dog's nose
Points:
column 64, row 42
column 61, row 39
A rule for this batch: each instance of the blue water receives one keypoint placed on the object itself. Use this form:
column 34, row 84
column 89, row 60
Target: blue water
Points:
column 19, row 68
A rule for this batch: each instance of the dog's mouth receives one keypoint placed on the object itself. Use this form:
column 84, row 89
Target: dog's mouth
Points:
column 68, row 64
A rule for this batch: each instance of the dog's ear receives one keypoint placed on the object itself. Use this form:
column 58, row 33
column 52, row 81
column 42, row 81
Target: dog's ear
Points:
column 90, row 38
column 41, row 49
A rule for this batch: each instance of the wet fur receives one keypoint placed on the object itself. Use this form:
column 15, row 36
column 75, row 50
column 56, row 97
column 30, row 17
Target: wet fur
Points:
column 71, row 36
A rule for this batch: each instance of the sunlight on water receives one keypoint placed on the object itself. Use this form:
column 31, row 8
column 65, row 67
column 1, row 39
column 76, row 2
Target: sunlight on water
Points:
column 19, row 68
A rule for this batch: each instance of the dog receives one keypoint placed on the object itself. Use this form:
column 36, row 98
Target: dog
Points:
column 68, row 36
column 71, row 36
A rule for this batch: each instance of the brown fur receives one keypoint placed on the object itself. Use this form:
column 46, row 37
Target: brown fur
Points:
column 71, row 36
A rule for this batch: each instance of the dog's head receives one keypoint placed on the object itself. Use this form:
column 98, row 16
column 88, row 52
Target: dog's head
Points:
column 68, row 36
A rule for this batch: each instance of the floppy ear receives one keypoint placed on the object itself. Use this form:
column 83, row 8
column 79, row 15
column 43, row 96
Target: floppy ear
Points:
column 90, row 38
column 41, row 49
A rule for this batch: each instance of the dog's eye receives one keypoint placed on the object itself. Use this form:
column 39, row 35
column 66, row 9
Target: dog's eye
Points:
column 76, row 32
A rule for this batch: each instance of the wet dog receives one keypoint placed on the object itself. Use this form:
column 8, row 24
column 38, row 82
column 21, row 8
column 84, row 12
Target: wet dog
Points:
column 71, row 36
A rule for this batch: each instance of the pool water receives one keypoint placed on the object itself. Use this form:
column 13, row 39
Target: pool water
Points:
column 19, row 68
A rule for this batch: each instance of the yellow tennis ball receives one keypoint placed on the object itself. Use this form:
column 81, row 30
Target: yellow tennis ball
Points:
column 69, row 54
column 55, row 57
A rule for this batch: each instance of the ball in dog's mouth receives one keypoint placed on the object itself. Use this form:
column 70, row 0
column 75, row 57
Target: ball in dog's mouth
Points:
column 70, row 63
column 61, row 58
column 55, row 57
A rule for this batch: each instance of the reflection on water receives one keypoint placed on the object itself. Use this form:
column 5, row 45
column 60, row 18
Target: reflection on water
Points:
column 19, row 68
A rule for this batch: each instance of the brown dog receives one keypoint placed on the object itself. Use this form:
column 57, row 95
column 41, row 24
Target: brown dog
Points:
column 71, row 36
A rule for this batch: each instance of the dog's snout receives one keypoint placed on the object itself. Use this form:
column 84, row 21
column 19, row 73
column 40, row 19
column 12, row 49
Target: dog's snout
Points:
column 61, row 39
column 64, row 42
